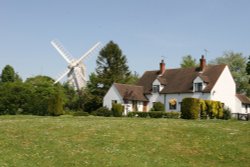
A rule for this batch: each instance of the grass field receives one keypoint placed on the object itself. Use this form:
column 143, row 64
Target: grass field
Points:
column 98, row 141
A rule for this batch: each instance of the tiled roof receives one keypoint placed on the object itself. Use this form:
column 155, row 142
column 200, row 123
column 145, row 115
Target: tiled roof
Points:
column 244, row 99
column 181, row 80
column 131, row 92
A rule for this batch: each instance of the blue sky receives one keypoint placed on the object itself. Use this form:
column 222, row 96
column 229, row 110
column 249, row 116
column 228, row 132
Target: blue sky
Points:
column 145, row 30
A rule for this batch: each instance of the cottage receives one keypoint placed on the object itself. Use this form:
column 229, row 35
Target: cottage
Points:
column 170, row 86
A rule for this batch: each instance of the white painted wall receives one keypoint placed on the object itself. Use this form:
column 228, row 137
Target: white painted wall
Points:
column 224, row 90
column 157, row 82
column 112, row 94
column 154, row 97
column 241, row 108
column 199, row 80
column 180, row 97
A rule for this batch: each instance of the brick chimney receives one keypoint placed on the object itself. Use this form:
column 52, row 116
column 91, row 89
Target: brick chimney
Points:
column 202, row 63
column 162, row 67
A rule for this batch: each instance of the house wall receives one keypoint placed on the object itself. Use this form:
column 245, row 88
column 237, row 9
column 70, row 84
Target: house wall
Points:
column 156, row 82
column 224, row 90
column 153, row 97
column 180, row 97
column 112, row 94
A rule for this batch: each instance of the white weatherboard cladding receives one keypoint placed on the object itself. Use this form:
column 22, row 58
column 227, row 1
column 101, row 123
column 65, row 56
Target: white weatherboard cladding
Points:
column 224, row 90
column 112, row 94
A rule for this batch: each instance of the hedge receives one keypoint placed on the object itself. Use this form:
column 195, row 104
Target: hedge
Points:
column 155, row 114
column 193, row 108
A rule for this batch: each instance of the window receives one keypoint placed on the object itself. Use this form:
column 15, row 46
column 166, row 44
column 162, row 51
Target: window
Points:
column 172, row 104
column 114, row 101
column 198, row 87
column 156, row 88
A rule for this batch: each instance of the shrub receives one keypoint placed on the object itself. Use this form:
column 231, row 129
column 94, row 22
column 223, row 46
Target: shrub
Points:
column 142, row 114
column 132, row 114
column 203, row 109
column 158, row 106
column 117, row 110
column 172, row 114
column 80, row 113
column 103, row 111
column 190, row 108
column 156, row 114
column 227, row 113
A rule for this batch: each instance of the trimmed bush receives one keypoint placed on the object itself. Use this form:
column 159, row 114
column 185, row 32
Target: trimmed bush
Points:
column 80, row 113
column 156, row 114
column 117, row 110
column 190, row 108
column 102, row 111
column 203, row 109
column 142, row 114
column 172, row 114
column 132, row 114
column 158, row 106
column 227, row 113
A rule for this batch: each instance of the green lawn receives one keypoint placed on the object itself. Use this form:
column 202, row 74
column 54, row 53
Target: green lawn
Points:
column 98, row 141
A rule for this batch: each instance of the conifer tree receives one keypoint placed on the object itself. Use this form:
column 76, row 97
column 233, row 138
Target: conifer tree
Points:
column 111, row 67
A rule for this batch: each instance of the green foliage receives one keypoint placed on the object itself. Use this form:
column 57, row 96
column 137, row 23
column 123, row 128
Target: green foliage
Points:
column 172, row 114
column 227, row 113
column 80, row 113
column 117, row 110
column 47, row 98
column 203, row 109
column 190, row 108
column 248, row 66
column 102, row 111
column 9, row 75
column 142, row 114
column 237, row 64
column 55, row 103
column 248, row 72
column 156, row 114
column 132, row 114
column 188, row 61
column 158, row 106
column 14, row 98
column 193, row 108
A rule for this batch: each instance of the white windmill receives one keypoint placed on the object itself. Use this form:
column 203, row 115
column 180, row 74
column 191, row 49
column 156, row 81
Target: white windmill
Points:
column 76, row 71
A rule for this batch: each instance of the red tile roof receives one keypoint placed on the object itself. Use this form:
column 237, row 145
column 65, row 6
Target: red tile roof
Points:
column 244, row 99
column 130, row 92
column 181, row 80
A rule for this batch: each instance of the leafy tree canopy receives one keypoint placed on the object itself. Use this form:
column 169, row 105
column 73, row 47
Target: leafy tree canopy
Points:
column 237, row 64
column 188, row 61
column 9, row 75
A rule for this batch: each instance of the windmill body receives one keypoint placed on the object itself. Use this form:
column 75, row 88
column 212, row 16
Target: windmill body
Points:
column 76, row 71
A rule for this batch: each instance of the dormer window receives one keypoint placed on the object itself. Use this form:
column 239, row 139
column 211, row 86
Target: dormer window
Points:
column 198, row 87
column 156, row 88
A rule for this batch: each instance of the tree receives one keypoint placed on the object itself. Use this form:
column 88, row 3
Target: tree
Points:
column 9, row 75
column 188, row 61
column 237, row 65
column 248, row 68
column 47, row 98
column 111, row 67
